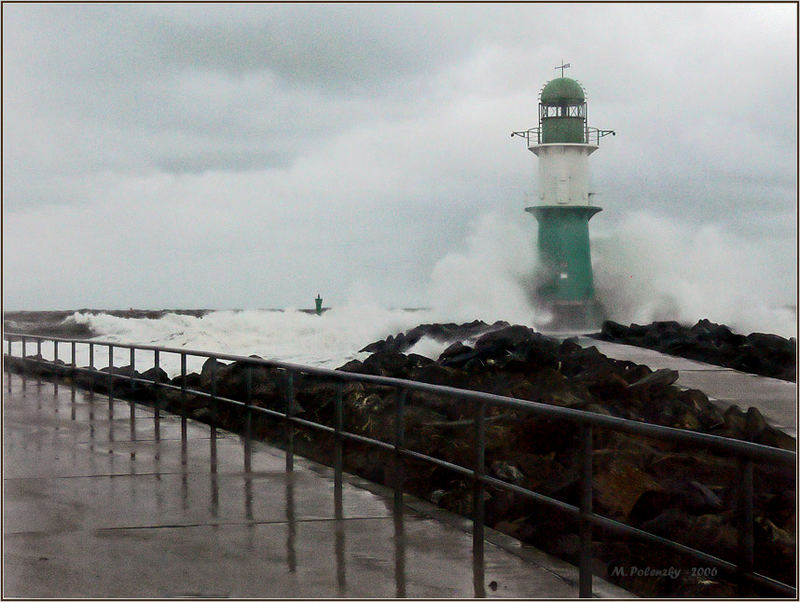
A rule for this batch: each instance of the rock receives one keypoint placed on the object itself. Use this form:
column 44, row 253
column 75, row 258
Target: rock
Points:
column 706, row 412
column 672, row 524
column 387, row 363
column 755, row 424
column 612, row 331
column 437, row 374
column 456, row 349
column 735, row 422
column 650, row 504
column 507, row 472
column 777, row 438
column 418, row 361
column 210, row 367
column 458, row 355
column 619, row 483
column 698, row 466
column 124, row 371
column 663, row 377
column 352, row 366
column 710, row 533
column 156, row 374
column 504, row 339
column 193, row 381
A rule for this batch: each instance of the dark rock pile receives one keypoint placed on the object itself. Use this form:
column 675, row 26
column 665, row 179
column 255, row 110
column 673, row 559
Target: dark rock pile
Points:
column 439, row 332
column 758, row 353
column 686, row 494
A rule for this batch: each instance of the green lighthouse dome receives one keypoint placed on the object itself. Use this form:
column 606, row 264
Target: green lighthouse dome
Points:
column 562, row 90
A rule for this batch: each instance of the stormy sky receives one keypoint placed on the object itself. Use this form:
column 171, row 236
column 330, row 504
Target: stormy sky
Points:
column 245, row 156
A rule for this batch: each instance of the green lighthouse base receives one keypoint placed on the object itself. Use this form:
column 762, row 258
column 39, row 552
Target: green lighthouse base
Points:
column 565, row 284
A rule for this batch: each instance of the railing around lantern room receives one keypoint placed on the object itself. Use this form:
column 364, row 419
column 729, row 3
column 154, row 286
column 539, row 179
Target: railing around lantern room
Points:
column 533, row 136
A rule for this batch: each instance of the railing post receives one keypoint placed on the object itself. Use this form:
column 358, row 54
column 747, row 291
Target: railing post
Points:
column 585, row 524
column 156, row 394
column 338, row 458
column 477, row 500
column 132, row 403
column 746, row 537
column 7, row 365
column 91, row 367
column 248, row 419
column 338, row 510
column 399, row 444
column 55, row 367
column 23, row 363
column 132, row 362
column 72, row 381
column 39, row 360
column 183, row 397
column 213, row 420
column 111, row 380
column 289, row 425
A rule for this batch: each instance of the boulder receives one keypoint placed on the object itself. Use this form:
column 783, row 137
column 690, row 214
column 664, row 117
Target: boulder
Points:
column 498, row 341
column 193, row 381
column 156, row 374
column 387, row 363
column 619, row 483
column 661, row 378
column 457, row 355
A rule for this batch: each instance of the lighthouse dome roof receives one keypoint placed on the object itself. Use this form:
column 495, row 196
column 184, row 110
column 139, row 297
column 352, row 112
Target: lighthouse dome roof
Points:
column 562, row 90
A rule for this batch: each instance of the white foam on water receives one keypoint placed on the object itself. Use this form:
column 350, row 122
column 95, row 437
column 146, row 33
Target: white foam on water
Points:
column 290, row 335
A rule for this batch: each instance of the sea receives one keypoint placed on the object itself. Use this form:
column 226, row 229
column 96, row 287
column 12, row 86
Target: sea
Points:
column 645, row 269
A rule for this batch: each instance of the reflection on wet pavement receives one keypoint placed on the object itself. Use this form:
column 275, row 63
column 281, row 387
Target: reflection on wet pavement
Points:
column 99, row 493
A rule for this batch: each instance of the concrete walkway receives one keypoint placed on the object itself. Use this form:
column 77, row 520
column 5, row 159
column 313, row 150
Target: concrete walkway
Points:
column 775, row 398
column 95, row 505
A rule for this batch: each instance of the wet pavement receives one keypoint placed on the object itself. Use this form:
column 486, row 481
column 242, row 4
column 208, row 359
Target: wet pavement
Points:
column 98, row 501
column 775, row 398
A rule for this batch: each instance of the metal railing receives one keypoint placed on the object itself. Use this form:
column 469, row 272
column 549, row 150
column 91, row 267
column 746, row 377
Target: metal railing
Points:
column 533, row 136
column 746, row 452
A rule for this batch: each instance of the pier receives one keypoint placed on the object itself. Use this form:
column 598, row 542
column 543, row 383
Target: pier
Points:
column 98, row 503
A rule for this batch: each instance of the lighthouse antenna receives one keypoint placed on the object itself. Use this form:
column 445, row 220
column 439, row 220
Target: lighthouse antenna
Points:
column 563, row 66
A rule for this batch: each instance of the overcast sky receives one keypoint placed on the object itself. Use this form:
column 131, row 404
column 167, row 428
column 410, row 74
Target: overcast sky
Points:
column 253, row 155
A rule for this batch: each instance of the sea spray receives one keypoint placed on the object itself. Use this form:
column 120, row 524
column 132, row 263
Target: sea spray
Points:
column 647, row 268
column 492, row 278
column 652, row 268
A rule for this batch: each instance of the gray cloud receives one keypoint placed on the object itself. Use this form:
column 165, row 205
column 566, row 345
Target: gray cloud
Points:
column 305, row 141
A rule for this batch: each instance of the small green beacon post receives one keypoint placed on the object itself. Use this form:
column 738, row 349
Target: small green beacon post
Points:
column 318, row 301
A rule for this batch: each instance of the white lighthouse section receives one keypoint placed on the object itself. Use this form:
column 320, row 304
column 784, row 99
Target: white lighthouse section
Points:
column 563, row 173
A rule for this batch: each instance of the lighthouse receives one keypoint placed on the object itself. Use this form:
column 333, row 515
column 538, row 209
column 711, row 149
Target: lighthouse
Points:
column 562, row 142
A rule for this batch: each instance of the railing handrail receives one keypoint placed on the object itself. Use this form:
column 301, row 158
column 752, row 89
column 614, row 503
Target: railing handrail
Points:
column 738, row 447
column 745, row 451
